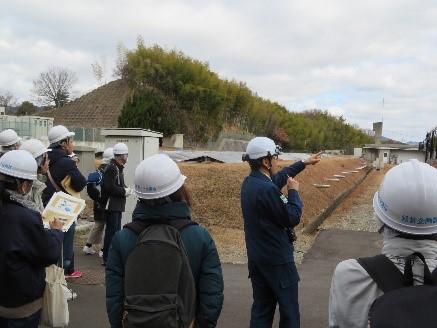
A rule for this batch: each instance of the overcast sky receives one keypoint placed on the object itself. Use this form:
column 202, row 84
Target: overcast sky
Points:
column 366, row 60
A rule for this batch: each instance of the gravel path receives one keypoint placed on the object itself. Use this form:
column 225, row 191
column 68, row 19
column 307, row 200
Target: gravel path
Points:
column 355, row 213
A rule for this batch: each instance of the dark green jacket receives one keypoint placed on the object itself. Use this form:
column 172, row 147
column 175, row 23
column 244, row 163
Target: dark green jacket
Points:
column 202, row 254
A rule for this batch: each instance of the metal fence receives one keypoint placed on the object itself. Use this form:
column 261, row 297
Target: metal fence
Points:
column 87, row 134
column 27, row 126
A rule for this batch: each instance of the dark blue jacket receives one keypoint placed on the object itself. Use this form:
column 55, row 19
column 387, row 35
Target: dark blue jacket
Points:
column 267, row 213
column 26, row 248
column 202, row 254
column 60, row 166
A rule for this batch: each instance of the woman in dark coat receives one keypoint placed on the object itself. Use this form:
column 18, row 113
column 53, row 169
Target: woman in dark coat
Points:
column 167, row 199
column 26, row 248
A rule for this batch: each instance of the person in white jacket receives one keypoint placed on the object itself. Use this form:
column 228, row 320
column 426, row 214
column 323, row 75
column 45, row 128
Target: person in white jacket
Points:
column 406, row 209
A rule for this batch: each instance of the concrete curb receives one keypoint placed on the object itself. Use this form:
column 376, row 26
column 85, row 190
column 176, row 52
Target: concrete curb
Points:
column 314, row 224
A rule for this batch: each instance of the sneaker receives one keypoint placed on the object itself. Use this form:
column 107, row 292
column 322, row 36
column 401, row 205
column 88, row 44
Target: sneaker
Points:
column 88, row 250
column 74, row 274
column 72, row 296
column 69, row 292
column 101, row 254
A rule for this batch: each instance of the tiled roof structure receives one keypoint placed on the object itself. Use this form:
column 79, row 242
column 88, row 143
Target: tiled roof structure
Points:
column 98, row 109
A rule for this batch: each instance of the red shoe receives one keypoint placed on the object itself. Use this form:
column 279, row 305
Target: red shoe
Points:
column 74, row 274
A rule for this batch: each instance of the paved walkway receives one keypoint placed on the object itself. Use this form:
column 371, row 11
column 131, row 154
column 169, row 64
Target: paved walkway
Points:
column 330, row 247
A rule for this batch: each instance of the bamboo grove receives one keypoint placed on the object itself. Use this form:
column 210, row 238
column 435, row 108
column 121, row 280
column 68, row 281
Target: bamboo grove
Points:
column 173, row 93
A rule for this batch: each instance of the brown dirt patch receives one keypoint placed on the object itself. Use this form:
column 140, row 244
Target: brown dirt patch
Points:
column 215, row 190
column 216, row 187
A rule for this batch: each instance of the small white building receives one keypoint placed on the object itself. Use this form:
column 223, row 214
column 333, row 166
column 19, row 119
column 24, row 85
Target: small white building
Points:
column 392, row 153
column 141, row 144
column 381, row 154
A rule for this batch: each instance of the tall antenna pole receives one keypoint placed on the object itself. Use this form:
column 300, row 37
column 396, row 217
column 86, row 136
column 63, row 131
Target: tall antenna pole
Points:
column 382, row 120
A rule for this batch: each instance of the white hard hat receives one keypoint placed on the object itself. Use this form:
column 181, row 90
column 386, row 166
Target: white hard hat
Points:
column 120, row 149
column 35, row 147
column 156, row 177
column 406, row 199
column 18, row 163
column 260, row 147
column 58, row 133
column 8, row 137
column 107, row 155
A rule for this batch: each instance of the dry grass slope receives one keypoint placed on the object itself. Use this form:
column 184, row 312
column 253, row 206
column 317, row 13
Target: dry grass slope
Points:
column 216, row 197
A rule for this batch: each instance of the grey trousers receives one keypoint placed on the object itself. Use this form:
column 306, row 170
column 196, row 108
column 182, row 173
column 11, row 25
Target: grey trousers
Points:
column 96, row 233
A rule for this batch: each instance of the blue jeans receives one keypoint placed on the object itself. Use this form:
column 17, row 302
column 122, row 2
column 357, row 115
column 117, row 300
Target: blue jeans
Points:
column 29, row 322
column 113, row 224
column 271, row 285
column 68, row 249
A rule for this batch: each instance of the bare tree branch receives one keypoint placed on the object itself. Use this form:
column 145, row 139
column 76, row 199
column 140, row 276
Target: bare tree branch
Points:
column 100, row 69
column 7, row 98
column 54, row 86
column 121, row 61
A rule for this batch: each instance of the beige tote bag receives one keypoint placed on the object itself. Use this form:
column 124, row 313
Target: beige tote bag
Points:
column 55, row 307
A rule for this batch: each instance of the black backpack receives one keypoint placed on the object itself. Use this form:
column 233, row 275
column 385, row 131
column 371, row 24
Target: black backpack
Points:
column 159, row 287
column 402, row 304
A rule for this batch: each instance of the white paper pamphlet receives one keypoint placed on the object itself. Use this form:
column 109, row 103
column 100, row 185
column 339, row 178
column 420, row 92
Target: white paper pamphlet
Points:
column 64, row 207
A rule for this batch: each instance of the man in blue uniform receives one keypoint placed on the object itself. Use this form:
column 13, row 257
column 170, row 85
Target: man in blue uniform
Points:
column 269, row 219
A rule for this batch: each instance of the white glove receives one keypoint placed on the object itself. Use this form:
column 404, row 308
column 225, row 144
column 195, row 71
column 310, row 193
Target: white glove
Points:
column 128, row 191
